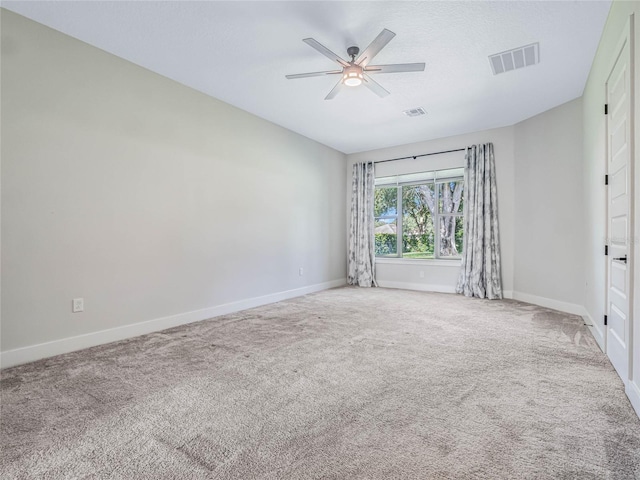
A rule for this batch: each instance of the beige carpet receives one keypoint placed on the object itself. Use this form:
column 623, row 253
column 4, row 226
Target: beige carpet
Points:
column 347, row 383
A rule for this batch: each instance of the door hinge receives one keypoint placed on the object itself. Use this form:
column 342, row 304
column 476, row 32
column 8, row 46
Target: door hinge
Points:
column 606, row 179
column 605, row 320
column 606, row 109
column 606, row 249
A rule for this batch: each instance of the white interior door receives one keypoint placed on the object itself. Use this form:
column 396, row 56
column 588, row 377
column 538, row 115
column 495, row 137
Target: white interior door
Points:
column 618, row 216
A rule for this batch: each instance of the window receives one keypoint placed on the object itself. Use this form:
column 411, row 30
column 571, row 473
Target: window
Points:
column 419, row 215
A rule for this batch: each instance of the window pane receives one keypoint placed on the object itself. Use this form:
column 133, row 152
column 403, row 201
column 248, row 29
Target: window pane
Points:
column 451, row 229
column 450, row 197
column 386, row 181
column 385, row 201
column 451, row 173
column 418, row 202
column 422, row 177
column 385, row 236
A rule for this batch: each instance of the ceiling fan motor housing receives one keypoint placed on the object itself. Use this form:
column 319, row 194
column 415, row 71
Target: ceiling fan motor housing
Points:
column 353, row 52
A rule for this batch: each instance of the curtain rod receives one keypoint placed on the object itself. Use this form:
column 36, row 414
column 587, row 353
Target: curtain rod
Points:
column 422, row 155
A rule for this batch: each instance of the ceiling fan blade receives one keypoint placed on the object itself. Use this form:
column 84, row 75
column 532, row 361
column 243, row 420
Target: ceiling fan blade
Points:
column 325, row 51
column 374, row 86
column 313, row 74
column 335, row 90
column 374, row 48
column 399, row 67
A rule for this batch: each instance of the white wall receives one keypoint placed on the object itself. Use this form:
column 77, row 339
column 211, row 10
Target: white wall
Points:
column 146, row 198
column 548, row 230
column 594, row 166
column 442, row 275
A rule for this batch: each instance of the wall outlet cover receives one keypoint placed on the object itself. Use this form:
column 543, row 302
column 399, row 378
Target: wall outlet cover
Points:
column 77, row 305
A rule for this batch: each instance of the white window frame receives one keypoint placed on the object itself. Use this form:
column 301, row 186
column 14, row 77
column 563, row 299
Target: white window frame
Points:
column 437, row 259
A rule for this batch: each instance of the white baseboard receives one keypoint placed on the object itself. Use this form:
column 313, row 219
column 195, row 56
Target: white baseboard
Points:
column 633, row 392
column 423, row 287
column 550, row 303
column 595, row 330
column 523, row 297
column 31, row 353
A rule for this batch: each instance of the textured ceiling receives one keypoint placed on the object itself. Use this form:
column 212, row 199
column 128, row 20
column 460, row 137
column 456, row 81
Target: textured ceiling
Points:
column 240, row 52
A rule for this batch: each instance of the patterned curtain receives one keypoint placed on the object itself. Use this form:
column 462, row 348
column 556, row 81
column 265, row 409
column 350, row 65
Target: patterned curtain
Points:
column 480, row 275
column 361, row 262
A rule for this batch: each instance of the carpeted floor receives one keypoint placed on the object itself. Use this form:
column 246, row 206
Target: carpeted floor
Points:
column 347, row 383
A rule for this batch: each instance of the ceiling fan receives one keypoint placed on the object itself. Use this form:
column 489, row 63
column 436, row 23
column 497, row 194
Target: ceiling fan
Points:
column 358, row 70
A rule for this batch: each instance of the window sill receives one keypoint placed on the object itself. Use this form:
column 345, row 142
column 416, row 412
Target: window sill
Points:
column 454, row 262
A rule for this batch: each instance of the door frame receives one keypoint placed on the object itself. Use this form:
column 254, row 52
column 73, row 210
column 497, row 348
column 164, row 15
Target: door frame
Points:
column 632, row 385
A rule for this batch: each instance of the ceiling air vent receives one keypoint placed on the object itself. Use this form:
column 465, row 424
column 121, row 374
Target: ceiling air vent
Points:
column 415, row 112
column 514, row 59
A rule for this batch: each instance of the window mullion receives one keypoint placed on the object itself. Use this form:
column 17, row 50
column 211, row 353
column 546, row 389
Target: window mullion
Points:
column 399, row 211
column 436, row 220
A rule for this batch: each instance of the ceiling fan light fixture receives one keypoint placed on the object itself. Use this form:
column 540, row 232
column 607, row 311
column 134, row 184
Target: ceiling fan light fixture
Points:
column 353, row 80
column 352, row 76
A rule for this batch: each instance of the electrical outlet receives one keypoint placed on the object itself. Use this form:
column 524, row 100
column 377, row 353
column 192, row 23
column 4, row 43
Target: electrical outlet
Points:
column 77, row 305
column 301, row 271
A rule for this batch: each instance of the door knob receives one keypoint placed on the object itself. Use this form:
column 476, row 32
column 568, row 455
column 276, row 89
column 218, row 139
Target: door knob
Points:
column 622, row 259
